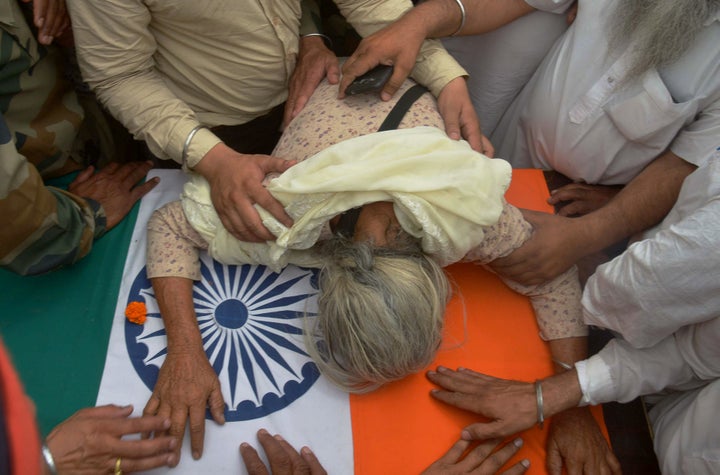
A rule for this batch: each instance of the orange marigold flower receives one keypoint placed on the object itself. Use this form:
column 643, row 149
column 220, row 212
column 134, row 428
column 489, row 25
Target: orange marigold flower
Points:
column 136, row 312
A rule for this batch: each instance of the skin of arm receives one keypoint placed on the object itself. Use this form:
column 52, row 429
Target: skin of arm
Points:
column 187, row 384
column 399, row 43
column 559, row 242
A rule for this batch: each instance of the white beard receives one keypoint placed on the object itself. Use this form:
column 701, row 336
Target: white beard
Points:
column 660, row 30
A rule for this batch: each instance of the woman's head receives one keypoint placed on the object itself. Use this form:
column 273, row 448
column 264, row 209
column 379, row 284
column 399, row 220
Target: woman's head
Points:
column 380, row 311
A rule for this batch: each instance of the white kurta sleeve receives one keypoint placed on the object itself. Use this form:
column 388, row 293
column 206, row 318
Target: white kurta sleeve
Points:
column 662, row 296
column 682, row 361
column 669, row 281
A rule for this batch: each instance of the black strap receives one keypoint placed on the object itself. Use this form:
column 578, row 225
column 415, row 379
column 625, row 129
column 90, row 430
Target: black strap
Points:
column 397, row 113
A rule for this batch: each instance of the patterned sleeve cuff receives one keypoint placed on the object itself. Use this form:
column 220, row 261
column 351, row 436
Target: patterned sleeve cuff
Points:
column 98, row 214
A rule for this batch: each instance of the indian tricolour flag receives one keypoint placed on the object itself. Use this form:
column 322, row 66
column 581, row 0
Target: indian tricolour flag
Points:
column 252, row 319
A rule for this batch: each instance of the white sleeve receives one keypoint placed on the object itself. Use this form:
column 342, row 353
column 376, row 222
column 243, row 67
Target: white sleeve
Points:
column 669, row 281
column 622, row 373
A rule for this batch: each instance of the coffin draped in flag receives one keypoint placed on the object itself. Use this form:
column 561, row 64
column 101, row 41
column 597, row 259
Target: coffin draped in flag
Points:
column 252, row 322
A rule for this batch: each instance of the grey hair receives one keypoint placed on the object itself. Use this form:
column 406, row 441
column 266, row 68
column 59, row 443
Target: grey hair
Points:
column 662, row 30
column 380, row 312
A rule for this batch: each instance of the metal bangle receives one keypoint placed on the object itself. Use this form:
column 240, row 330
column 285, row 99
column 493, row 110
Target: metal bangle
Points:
column 49, row 460
column 462, row 16
column 540, row 408
column 326, row 39
column 186, row 145
column 563, row 365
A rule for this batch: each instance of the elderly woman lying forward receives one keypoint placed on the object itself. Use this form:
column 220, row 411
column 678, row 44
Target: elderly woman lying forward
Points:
column 379, row 214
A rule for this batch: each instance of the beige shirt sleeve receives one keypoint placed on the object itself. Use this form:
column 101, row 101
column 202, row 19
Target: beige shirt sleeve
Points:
column 434, row 67
column 173, row 248
column 557, row 302
column 115, row 51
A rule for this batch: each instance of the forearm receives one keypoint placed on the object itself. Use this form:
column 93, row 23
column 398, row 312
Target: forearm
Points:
column 174, row 297
column 641, row 204
column 556, row 303
column 441, row 18
column 173, row 244
column 560, row 393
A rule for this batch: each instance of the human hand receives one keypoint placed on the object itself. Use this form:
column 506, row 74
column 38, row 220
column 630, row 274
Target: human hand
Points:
column 460, row 118
column 480, row 461
column 576, row 442
column 511, row 406
column 50, row 17
column 236, row 185
column 578, row 199
column 283, row 458
column 90, row 442
column 556, row 244
column 395, row 45
column 315, row 62
column 114, row 187
column 186, row 385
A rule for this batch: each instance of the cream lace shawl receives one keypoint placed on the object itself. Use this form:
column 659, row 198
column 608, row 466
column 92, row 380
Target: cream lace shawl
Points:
column 443, row 193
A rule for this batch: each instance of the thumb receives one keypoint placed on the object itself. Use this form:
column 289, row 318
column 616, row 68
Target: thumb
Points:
column 452, row 126
column 275, row 164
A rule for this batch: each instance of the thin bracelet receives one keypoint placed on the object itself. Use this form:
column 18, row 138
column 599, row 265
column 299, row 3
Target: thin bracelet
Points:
column 186, row 145
column 49, row 460
column 563, row 365
column 462, row 17
column 326, row 39
column 540, row 409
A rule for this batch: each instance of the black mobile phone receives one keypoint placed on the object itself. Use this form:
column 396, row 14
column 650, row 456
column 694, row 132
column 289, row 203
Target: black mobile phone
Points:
column 371, row 81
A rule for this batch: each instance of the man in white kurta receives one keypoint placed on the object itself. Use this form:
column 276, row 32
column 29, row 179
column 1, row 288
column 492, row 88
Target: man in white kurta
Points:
column 578, row 117
column 663, row 297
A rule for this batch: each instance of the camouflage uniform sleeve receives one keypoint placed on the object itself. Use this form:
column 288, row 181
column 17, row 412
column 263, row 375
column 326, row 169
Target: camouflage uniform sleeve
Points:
column 45, row 228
